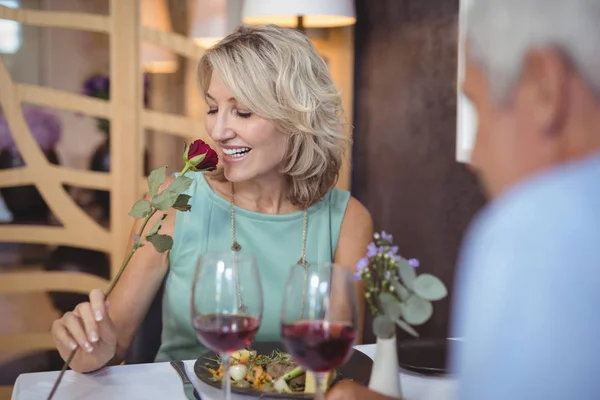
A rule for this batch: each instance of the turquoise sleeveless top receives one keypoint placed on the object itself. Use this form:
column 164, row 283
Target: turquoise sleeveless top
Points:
column 275, row 241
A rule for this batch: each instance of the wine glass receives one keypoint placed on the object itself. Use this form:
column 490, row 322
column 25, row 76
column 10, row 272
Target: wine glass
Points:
column 319, row 318
column 227, row 304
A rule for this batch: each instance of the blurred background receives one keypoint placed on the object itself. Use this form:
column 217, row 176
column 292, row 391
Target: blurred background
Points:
column 68, row 183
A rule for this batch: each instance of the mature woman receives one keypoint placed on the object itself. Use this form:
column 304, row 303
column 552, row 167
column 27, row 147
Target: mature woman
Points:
column 275, row 115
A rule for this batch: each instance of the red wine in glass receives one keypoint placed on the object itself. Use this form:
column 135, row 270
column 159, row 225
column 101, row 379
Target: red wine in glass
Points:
column 318, row 346
column 226, row 304
column 226, row 333
column 319, row 317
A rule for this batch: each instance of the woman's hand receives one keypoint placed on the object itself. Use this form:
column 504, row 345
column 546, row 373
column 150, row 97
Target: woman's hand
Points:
column 347, row 390
column 89, row 329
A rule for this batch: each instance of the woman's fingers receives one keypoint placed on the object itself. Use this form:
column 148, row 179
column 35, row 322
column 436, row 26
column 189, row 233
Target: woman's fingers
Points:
column 86, row 314
column 75, row 328
column 98, row 304
column 62, row 336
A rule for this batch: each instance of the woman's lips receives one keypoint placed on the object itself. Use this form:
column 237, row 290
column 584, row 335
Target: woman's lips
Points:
column 235, row 154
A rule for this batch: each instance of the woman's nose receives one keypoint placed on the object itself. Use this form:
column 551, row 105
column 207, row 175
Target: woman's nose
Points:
column 222, row 130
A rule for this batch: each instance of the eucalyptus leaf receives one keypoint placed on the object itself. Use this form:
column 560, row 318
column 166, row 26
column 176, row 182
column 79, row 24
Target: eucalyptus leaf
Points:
column 156, row 227
column 407, row 273
column 391, row 306
column 407, row 328
column 165, row 199
column 417, row 311
column 157, row 177
column 140, row 209
column 430, row 287
column 160, row 242
column 403, row 292
column 181, row 203
column 383, row 327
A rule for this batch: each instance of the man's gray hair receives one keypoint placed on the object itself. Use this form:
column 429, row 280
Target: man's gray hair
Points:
column 502, row 32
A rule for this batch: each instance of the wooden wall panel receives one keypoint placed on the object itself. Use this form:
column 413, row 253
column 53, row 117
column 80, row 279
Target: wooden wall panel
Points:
column 125, row 181
column 405, row 128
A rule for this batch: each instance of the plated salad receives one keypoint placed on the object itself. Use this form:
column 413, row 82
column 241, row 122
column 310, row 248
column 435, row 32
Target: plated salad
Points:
column 275, row 373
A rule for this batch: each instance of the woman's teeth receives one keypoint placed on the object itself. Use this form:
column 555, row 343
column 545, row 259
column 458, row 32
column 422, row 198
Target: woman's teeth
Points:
column 236, row 152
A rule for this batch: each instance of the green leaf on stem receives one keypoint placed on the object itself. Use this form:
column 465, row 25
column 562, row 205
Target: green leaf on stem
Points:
column 181, row 204
column 156, row 227
column 407, row 328
column 429, row 287
column 165, row 199
column 383, row 327
column 403, row 292
column 407, row 273
column 160, row 242
column 417, row 311
column 393, row 309
column 140, row 209
column 157, row 177
column 391, row 306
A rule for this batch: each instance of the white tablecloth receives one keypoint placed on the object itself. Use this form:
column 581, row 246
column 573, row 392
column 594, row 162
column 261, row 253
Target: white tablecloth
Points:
column 160, row 381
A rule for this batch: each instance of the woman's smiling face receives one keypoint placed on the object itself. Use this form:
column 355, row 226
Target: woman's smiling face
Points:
column 250, row 146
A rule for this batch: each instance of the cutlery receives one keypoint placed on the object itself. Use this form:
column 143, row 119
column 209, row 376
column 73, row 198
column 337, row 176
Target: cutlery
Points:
column 188, row 389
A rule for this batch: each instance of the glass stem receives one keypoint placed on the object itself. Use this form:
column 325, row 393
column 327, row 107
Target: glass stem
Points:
column 226, row 383
column 319, row 379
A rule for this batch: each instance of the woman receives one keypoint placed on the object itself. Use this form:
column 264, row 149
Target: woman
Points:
column 274, row 114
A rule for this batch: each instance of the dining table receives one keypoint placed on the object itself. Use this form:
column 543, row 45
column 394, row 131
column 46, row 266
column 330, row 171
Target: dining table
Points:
column 161, row 381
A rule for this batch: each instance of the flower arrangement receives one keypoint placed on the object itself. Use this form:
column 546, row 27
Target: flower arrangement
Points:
column 45, row 127
column 197, row 157
column 98, row 86
column 394, row 292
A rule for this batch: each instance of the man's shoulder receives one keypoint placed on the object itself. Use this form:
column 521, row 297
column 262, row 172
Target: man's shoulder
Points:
column 565, row 201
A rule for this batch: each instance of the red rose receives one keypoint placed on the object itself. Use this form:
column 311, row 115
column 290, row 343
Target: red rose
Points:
column 199, row 156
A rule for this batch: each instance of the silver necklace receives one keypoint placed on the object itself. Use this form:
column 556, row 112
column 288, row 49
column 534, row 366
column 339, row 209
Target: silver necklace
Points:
column 236, row 247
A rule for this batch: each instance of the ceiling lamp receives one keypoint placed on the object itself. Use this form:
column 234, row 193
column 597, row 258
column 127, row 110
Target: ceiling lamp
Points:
column 156, row 59
column 299, row 13
column 212, row 20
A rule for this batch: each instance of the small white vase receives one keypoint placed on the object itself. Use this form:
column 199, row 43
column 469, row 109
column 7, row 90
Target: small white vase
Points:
column 385, row 375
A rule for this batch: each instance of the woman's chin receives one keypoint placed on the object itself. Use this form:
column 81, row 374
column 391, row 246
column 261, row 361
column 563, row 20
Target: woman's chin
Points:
column 233, row 174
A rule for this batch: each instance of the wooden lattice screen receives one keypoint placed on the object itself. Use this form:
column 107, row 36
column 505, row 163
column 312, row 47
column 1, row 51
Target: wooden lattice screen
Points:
column 125, row 182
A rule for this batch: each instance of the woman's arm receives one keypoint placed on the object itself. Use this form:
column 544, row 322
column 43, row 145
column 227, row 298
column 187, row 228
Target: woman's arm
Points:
column 139, row 284
column 355, row 235
column 104, row 338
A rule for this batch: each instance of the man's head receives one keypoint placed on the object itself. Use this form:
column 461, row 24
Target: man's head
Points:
column 533, row 75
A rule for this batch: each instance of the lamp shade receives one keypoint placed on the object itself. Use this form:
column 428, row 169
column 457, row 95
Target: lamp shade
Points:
column 315, row 13
column 155, row 59
column 209, row 23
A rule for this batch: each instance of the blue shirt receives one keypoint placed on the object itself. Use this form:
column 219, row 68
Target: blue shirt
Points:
column 528, row 292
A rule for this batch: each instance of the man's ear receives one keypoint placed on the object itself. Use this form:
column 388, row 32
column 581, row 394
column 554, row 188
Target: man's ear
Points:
column 545, row 79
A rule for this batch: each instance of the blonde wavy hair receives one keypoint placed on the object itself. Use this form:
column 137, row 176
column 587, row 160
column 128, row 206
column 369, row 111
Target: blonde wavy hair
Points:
column 278, row 75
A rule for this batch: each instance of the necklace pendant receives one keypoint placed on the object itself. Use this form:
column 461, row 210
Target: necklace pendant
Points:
column 236, row 246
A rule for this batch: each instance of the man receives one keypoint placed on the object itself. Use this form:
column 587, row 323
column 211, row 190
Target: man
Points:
column 528, row 287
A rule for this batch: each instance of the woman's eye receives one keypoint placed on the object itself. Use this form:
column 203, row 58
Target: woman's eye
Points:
column 243, row 114
column 212, row 110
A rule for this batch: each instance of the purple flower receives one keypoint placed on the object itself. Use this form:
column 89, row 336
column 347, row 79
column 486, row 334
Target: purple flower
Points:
column 357, row 276
column 362, row 264
column 414, row 262
column 97, row 86
column 372, row 250
column 387, row 237
column 45, row 126
column 388, row 275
